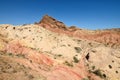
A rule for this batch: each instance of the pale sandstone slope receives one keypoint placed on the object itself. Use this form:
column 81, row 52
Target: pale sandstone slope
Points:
column 48, row 51
column 110, row 37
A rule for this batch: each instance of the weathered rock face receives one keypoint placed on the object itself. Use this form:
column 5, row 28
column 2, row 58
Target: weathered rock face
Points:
column 38, row 52
column 31, row 52
column 110, row 37
column 51, row 22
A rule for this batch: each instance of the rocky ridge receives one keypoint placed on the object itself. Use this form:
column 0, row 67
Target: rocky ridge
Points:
column 109, row 36
column 49, row 50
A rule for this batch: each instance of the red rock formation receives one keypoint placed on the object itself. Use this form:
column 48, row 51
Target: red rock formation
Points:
column 24, row 57
column 17, row 48
column 45, row 65
column 104, row 36
column 49, row 21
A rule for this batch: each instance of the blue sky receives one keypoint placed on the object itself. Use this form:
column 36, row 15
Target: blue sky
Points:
column 88, row 14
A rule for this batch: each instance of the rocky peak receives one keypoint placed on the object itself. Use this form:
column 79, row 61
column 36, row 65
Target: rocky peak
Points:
column 48, row 21
column 108, row 36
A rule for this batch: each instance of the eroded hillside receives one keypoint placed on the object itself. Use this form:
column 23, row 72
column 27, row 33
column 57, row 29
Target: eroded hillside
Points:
column 51, row 51
column 109, row 37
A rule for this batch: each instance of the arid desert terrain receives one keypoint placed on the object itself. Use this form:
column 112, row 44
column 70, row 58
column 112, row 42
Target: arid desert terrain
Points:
column 50, row 50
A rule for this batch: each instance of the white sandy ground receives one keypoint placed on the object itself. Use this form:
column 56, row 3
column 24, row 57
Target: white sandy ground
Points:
column 54, row 44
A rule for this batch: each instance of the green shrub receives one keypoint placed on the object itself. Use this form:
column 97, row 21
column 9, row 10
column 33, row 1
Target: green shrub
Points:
column 59, row 55
column 78, row 49
column 93, row 67
column 10, row 54
column 75, row 59
column 68, row 64
column 30, row 76
column 99, row 73
column 20, row 55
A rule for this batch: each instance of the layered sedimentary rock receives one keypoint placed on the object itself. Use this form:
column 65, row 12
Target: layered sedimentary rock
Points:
column 108, row 36
column 49, row 50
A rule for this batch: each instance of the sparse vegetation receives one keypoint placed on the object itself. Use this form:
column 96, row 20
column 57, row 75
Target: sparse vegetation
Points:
column 90, row 44
column 63, row 45
column 79, row 40
column 93, row 51
column 110, row 66
column 69, row 45
column 116, row 72
column 56, row 55
column 24, row 24
column 78, row 49
column 68, row 64
column 24, row 37
column 85, row 79
column 75, row 59
column 20, row 55
column 59, row 55
column 104, row 75
column 13, row 27
column 113, row 61
column 30, row 76
column 30, row 61
column 10, row 54
column 98, row 72
column 93, row 67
